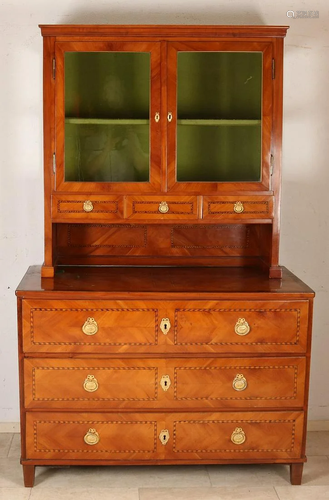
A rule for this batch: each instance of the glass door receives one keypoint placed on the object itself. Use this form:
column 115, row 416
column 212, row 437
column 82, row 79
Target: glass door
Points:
column 220, row 115
column 105, row 95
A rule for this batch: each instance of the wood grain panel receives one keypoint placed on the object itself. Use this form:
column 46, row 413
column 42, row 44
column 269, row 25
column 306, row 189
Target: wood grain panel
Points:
column 276, row 382
column 266, row 434
column 62, row 435
column 66, row 207
column 147, row 207
column 274, row 326
column 130, row 383
column 57, row 325
column 254, row 207
column 132, row 436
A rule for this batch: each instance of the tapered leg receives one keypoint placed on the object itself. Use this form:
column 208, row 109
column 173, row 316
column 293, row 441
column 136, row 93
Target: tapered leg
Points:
column 28, row 472
column 296, row 472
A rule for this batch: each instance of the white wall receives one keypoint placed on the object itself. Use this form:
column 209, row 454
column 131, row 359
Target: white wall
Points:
column 305, row 209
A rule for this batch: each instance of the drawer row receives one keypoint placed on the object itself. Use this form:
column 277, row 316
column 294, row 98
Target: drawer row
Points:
column 164, row 383
column 164, row 436
column 163, row 207
column 132, row 326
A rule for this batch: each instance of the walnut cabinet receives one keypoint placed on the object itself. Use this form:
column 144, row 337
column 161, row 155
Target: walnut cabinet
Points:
column 160, row 328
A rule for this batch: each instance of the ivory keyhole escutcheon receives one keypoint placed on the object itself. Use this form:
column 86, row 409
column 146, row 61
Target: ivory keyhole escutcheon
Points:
column 164, row 436
column 165, row 325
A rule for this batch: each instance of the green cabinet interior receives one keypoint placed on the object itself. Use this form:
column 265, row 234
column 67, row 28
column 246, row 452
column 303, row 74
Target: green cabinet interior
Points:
column 107, row 111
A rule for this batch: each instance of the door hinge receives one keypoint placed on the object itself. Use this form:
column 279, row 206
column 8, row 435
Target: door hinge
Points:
column 271, row 169
column 54, row 68
column 54, row 163
column 273, row 69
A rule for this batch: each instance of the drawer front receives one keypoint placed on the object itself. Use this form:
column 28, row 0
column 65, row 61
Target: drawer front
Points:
column 156, row 326
column 164, row 436
column 89, row 326
column 238, row 207
column 241, row 327
column 161, row 208
column 164, row 383
column 84, row 207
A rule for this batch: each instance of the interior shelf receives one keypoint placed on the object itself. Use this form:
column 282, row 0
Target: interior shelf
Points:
column 218, row 122
column 106, row 121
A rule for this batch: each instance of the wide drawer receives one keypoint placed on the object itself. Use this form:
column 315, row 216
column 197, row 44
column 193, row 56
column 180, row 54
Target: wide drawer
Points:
column 165, row 326
column 164, row 383
column 238, row 207
column 86, row 207
column 161, row 207
column 164, row 436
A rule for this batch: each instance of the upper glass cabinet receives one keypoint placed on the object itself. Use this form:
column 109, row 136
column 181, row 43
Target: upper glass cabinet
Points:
column 133, row 117
column 221, row 114
column 105, row 114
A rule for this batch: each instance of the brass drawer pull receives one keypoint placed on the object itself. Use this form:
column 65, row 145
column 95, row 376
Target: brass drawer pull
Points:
column 90, row 384
column 240, row 382
column 169, row 116
column 165, row 325
column 90, row 327
column 163, row 207
column 165, row 382
column 164, row 436
column 238, row 436
column 92, row 437
column 88, row 206
column 157, row 117
column 238, row 207
column 242, row 327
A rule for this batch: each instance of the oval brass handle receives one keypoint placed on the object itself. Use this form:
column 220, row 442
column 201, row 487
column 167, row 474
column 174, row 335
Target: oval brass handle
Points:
column 164, row 436
column 88, row 206
column 165, row 382
column 238, row 207
column 90, row 327
column 163, row 207
column 169, row 116
column 157, row 117
column 238, row 436
column 242, row 327
column 92, row 437
column 240, row 382
column 165, row 325
column 90, row 384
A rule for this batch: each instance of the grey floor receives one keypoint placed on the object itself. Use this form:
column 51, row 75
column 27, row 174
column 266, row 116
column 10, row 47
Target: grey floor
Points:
column 215, row 482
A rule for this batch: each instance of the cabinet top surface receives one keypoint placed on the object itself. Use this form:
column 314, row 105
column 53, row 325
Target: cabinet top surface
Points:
column 161, row 280
column 168, row 31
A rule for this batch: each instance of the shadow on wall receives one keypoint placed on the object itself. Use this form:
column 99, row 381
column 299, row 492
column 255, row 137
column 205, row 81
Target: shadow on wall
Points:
column 142, row 14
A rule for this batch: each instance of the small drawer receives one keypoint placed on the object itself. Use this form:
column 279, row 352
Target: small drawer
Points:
column 164, row 436
column 86, row 207
column 161, row 208
column 238, row 207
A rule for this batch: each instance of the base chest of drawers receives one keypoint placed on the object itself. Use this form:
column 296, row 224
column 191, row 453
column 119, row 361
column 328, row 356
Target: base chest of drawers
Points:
column 163, row 366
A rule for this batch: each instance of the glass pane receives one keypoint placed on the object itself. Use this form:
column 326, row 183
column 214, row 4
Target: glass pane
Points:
column 219, row 116
column 107, row 98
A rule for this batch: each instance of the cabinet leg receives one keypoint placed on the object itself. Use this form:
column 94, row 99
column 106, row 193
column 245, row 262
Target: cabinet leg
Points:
column 28, row 473
column 296, row 472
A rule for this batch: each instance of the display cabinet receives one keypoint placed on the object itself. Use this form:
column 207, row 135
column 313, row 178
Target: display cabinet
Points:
column 162, row 145
column 161, row 328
